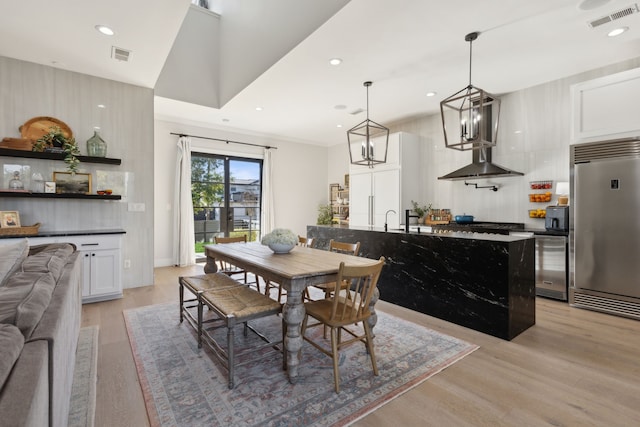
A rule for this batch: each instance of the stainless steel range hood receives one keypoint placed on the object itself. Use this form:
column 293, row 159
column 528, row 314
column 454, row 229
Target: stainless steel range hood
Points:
column 481, row 167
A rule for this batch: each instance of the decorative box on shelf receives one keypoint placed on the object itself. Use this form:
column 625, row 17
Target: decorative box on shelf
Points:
column 31, row 230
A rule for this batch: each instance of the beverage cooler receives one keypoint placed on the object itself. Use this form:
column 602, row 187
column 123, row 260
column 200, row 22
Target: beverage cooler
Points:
column 551, row 266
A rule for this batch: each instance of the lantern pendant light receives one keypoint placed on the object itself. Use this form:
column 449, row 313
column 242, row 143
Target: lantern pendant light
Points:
column 366, row 137
column 470, row 116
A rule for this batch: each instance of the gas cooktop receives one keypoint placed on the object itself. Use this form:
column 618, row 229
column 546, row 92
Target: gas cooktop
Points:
column 482, row 227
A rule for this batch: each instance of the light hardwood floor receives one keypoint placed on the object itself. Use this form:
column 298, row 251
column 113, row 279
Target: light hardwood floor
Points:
column 573, row 368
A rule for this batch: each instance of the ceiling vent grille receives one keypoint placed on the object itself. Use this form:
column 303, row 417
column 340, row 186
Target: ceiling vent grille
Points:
column 120, row 54
column 357, row 111
column 615, row 15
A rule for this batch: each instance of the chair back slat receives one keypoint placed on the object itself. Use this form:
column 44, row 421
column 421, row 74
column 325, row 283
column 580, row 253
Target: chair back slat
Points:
column 344, row 247
column 218, row 239
column 363, row 280
column 308, row 242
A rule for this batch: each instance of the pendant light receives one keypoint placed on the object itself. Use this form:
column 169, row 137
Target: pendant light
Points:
column 368, row 138
column 470, row 116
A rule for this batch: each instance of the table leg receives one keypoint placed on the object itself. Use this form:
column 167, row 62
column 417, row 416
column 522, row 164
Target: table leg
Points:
column 293, row 312
column 373, row 319
column 210, row 266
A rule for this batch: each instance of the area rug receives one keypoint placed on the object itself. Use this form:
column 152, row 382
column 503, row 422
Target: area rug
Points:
column 83, row 392
column 187, row 386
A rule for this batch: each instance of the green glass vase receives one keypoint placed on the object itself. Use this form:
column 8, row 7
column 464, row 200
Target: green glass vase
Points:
column 96, row 146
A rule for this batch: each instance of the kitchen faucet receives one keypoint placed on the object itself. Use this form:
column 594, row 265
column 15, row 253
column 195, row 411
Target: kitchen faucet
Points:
column 385, row 218
column 406, row 220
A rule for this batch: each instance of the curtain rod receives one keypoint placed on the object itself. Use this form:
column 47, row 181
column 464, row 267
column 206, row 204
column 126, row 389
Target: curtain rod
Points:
column 268, row 147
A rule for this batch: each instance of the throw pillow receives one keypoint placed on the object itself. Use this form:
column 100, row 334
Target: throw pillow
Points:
column 11, row 256
column 11, row 343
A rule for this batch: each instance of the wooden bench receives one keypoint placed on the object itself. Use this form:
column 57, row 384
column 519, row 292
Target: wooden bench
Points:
column 231, row 304
column 197, row 285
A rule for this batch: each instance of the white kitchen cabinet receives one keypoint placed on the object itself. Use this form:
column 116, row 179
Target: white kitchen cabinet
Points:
column 101, row 275
column 389, row 186
column 606, row 107
column 100, row 261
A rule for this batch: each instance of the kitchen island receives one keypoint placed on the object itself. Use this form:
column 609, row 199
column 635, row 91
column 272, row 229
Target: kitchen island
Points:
column 478, row 280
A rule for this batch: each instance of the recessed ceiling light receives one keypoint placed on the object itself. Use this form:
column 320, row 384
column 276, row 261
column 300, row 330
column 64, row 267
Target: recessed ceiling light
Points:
column 338, row 126
column 335, row 61
column 432, row 93
column 102, row 106
column 96, row 127
column 340, row 107
column 258, row 108
column 617, row 31
column 591, row 4
column 105, row 30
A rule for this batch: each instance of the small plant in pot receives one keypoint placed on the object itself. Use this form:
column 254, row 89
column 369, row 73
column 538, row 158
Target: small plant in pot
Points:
column 421, row 211
column 280, row 240
column 56, row 141
column 325, row 215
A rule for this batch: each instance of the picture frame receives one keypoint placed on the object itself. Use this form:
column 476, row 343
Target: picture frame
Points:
column 72, row 183
column 49, row 187
column 9, row 219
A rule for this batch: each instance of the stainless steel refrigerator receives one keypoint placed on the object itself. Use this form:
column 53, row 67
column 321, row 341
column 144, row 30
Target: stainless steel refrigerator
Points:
column 604, row 232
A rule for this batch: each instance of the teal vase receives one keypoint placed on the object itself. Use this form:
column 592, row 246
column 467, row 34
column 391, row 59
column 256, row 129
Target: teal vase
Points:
column 96, row 146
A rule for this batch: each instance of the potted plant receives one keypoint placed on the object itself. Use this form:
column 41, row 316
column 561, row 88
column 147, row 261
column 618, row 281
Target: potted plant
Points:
column 56, row 141
column 325, row 215
column 280, row 240
column 421, row 211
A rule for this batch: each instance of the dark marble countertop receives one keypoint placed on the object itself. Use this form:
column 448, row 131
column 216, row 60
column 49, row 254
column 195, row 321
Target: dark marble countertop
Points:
column 427, row 231
column 67, row 233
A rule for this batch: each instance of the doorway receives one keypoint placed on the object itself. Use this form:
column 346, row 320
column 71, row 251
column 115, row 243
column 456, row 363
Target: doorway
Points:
column 226, row 193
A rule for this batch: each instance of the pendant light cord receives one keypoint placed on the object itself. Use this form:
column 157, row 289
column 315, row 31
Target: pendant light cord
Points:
column 470, row 52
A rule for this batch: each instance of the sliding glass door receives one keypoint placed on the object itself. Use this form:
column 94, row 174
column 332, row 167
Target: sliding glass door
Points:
column 226, row 193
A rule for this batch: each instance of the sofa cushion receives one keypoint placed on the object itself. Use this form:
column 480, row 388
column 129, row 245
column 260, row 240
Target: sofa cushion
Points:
column 25, row 297
column 11, row 343
column 48, row 258
column 11, row 256
column 10, row 299
column 29, row 311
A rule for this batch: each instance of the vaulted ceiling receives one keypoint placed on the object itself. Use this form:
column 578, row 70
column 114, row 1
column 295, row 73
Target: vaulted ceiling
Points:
column 406, row 47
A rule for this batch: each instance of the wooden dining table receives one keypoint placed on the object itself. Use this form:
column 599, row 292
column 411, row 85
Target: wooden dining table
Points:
column 294, row 271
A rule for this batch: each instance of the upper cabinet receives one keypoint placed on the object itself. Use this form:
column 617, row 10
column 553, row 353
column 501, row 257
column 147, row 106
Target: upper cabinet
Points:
column 375, row 192
column 606, row 108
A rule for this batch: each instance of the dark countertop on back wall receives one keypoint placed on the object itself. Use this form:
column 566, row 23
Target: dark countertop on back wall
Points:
column 65, row 233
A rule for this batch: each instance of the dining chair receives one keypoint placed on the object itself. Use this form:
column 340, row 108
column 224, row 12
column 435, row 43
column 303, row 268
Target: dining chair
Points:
column 304, row 242
column 343, row 248
column 341, row 314
column 230, row 269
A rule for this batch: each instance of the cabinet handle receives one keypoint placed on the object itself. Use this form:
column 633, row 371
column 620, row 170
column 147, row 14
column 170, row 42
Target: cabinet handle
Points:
column 371, row 210
column 89, row 244
column 86, row 255
column 93, row 254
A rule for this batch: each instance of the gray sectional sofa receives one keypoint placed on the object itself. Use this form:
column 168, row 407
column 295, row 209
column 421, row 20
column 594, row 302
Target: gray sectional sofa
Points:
column 40, row 309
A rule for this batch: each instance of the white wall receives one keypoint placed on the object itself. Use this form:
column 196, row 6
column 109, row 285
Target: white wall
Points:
column 31, row 90
column 540, row 149
column 299, row 175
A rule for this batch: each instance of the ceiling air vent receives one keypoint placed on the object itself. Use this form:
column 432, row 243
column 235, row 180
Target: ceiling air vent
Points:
column 356, row 111
column 615, row 15
column 120, row 54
